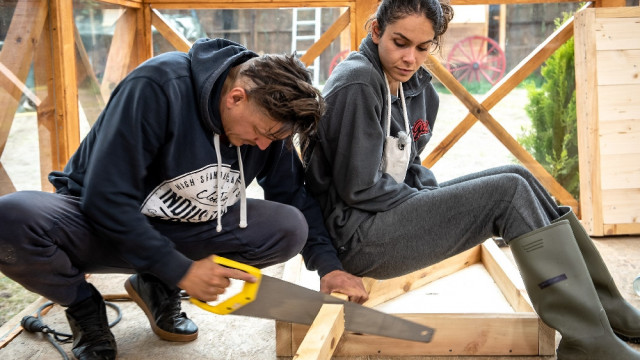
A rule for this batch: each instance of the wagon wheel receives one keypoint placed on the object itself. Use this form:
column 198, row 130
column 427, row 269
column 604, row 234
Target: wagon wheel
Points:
column 336, row 59
column 476, row 58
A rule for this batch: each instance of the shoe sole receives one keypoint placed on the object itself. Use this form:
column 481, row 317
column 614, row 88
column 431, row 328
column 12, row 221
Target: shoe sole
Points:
column 163, row 334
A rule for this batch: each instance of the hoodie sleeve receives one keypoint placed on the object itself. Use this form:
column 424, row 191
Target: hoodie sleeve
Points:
column 132, row 133
column 283, row 181
column 353, row 141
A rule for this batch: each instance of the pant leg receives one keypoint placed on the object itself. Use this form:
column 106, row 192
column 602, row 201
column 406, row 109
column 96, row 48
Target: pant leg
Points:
column 275, row 233
column 437, row 224
column 546, row 202
column 47, row 246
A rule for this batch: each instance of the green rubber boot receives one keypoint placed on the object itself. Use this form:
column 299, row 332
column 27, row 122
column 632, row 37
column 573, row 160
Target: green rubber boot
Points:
column 559, row 286
column 623, row 317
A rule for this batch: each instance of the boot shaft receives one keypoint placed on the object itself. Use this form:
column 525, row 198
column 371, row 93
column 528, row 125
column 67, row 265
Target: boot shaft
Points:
column 557, row 280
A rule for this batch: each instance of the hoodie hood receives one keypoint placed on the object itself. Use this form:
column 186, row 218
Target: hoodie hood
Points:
column 211, row 60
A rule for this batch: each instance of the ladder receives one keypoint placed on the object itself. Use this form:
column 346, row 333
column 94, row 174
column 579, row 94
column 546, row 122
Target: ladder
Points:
column 306, row 21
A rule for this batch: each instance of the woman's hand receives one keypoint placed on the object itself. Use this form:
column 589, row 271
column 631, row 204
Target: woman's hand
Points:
column 344, row 283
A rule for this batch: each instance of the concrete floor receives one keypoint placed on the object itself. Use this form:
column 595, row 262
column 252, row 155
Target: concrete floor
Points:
column 237, row 337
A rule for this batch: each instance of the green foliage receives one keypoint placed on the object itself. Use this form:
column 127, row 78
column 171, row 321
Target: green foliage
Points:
column 552, row 138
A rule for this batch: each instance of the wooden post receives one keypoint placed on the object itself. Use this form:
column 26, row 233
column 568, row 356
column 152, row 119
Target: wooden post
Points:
column 17, row 52
column 47, row 135
column 65, row 80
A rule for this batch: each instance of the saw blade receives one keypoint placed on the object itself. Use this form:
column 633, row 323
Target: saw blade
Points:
column 281, row 300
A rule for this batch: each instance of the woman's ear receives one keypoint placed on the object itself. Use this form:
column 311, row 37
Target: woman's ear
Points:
column 375, row 32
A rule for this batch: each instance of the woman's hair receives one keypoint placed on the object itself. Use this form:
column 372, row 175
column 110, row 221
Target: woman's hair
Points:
column 439, row 12
column 281, row 85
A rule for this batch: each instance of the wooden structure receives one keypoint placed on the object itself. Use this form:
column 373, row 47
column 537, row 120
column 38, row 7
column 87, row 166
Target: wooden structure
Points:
column 512, row 333
column 44, row 30
column 607, row 48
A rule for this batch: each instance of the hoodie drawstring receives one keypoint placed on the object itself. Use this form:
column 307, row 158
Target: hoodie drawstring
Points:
column 243, row 192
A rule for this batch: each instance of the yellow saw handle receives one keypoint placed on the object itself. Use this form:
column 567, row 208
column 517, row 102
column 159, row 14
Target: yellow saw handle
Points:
column 247, row 295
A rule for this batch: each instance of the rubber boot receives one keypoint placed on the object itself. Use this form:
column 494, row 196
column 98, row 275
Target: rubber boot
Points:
column 92, row 338
column 559, row 286
column 623, row 317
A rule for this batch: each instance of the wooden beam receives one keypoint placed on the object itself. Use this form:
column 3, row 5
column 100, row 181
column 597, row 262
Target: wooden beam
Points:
column 65, row 84
column 173, row 37
column 324, row 334
column 12, row 327
column 6, row 185
column 325, row 40
column 384, row 290
column 527, row 66
column 481, row 334
column 480, row 112
column 363, row 10
column 47, row 131
column 16, row 55
column 88, row 85
column 506, row 276
column 244, row 4
column 136, row 4
column 587, row 113
column 143, row 41
column 4, row 71
column 119, row 53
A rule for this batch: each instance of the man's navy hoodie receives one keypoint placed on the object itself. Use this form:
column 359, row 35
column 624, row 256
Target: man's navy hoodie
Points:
column 151, row 154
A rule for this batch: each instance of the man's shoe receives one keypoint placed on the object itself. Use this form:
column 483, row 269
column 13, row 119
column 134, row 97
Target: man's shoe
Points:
column 161, row 304
column 92, row 338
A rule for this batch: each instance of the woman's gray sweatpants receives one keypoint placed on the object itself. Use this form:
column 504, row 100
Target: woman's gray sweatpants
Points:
column 506, row 201
column 47, row 245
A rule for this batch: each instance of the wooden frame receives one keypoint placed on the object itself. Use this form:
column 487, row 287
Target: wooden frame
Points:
column 608, row 119
column 520, row 332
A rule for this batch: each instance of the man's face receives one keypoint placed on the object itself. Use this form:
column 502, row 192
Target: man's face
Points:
column 245, row 123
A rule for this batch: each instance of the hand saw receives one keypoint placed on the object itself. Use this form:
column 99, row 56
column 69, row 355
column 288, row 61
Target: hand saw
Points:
column 272, row 298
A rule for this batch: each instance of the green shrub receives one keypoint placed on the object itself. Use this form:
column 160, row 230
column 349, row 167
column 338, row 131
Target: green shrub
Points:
column 552, row 138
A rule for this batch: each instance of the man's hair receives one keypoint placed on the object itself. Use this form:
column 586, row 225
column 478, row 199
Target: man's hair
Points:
column 283, row 89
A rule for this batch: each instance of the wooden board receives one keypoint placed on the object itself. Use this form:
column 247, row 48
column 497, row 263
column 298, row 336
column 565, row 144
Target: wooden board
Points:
column 607, row 59
column 478, row 308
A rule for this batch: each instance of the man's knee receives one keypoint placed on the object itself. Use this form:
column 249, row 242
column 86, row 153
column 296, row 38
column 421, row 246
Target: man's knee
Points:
column 294, row 231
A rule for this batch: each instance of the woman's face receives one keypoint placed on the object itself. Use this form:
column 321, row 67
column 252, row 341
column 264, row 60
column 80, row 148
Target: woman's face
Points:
column 404, row 46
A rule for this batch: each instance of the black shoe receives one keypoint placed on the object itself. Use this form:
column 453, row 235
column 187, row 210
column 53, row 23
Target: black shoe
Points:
column 161, row 304
column 92, row 338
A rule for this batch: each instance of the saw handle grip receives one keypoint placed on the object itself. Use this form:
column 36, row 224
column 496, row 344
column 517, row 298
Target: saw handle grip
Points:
column 247, row 295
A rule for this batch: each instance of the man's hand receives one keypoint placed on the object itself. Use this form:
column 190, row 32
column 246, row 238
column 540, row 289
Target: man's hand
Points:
column 344, row 283
column 205, row 279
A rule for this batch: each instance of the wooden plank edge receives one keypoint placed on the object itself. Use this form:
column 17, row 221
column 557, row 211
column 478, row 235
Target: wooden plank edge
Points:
column 506, row 276
column 324, row 334
column 12, row 328
column 384, row 290
column 621, row 229
column 482, row 334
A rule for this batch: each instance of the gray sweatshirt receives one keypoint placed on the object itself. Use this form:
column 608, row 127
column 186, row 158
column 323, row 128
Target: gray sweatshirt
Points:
column 343, row 166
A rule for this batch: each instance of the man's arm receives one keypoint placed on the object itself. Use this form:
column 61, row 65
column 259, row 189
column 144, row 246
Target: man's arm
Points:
column 283, row 181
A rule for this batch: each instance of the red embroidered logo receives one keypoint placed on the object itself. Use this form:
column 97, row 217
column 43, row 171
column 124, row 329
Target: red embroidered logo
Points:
column 420, row 128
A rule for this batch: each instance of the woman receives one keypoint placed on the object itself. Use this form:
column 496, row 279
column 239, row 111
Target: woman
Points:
column 388, row 215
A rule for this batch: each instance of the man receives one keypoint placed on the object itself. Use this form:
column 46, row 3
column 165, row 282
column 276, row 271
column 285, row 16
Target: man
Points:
column 154, row 189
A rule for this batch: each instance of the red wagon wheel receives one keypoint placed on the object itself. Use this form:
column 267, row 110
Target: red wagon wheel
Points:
column 477, row 59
